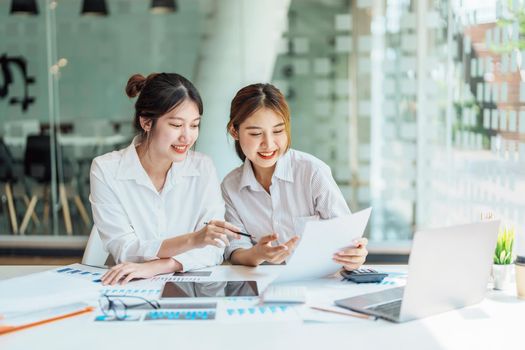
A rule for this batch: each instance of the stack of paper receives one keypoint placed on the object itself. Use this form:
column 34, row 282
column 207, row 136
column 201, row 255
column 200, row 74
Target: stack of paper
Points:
column 46, row 290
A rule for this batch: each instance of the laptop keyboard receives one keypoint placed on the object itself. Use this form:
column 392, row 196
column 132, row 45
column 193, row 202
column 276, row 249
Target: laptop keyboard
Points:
column 392, row 308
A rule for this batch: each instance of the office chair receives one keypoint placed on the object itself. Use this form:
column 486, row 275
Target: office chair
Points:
column 19, row 130
column 37, row 165
column 95, row 254
column 7, row 177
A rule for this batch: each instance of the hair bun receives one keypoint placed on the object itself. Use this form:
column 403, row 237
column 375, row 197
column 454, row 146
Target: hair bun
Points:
column 135, row 84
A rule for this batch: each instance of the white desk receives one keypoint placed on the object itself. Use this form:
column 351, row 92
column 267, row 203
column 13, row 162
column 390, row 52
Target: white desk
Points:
column 496, row 323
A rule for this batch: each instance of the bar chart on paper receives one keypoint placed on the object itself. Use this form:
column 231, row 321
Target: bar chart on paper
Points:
column 149, row 293
column 180, row 315
column 175, row 278
column 82, row 271
column 237, row 312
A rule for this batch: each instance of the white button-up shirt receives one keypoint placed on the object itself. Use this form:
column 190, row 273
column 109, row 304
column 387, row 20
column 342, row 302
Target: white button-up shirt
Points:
column 302, row 189
column 133, row 218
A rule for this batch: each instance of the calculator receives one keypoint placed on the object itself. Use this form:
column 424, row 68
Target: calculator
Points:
column 363, row 275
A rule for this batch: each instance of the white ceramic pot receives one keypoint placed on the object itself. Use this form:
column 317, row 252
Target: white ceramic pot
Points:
column 502, row 275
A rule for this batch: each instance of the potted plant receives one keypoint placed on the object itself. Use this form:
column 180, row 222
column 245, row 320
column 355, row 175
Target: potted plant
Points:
column 502, row 268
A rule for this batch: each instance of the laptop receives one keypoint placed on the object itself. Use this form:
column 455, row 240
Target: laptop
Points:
column 448, row 269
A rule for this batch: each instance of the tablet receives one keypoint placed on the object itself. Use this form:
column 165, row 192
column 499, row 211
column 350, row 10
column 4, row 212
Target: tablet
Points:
column 210, row 289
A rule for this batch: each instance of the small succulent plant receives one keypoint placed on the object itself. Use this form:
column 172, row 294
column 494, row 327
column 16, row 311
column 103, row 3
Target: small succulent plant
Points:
column 503, row 253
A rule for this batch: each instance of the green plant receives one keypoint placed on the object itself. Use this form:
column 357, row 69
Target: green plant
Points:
column 503, row 253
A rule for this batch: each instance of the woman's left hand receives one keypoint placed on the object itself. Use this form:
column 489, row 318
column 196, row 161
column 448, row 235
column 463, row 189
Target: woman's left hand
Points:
column 126, row 271
column 353, row 258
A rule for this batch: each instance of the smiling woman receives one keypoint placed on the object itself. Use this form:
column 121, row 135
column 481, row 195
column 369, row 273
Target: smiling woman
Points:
column 277, row 188
column 157, row 204
column 169, row 124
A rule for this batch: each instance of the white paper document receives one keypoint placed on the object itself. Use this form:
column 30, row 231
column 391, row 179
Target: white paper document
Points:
column 319, row 241
column 48, row 289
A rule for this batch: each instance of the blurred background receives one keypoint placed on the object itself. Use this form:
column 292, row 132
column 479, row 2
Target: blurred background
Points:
column 417, row 106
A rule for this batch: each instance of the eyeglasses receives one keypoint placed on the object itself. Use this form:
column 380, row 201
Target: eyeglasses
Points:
column 114, row 305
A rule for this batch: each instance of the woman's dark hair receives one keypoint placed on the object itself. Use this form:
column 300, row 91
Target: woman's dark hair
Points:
column 158, row 94
column 249, row 100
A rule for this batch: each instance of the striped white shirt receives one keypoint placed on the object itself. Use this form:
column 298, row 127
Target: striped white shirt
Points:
column 133, row 218
column 302, row 189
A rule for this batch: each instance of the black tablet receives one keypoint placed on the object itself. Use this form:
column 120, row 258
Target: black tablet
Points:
column 210, row 289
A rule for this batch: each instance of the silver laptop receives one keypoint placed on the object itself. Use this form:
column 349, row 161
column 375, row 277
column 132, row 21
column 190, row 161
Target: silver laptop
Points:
column 448, row 269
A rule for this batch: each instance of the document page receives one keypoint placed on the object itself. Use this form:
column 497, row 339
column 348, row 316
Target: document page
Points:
column 320, row 240
column 49, row 289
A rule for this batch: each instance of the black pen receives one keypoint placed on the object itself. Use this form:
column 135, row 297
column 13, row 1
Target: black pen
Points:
column 240, row 233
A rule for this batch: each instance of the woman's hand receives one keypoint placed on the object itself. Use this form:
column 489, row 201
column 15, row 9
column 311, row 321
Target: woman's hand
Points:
column 126, row 271
column 353, row 258
column 215, row 233
column 264, row 251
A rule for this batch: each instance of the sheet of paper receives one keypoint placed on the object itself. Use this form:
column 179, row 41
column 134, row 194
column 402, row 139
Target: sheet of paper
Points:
column 320, row 240
column 46, row 290
column 174, row 278
column 250, row 311
column 145, row 289
column 85, row 272
column 26, row 318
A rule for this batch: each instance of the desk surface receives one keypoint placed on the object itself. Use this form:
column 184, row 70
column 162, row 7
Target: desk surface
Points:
column 495, row 323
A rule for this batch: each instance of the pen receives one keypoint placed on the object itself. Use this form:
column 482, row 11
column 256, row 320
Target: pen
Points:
column 239, row 233
column 352, row 314
column 59, row 316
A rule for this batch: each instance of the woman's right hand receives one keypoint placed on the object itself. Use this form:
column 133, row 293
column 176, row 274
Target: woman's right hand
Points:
column 275, row 255
column 215, row 233
column 126, row 271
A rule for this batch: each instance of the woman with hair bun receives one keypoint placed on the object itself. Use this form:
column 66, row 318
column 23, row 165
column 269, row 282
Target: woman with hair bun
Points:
column 276, row 187
column 157, row 204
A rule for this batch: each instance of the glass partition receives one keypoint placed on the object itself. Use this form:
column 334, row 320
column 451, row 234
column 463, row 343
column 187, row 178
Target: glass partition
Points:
column 415, row 105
